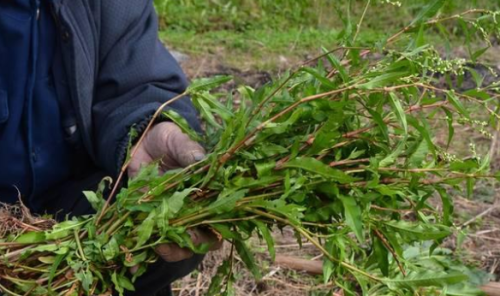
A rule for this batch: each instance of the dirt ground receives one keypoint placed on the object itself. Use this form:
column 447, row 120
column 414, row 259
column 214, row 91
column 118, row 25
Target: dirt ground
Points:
column 479, row 217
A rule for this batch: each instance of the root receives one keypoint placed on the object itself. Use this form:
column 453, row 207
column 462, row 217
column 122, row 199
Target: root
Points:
column 15, row 219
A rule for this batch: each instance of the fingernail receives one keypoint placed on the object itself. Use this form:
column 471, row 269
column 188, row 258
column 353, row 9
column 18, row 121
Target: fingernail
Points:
column 134, row 269
column 198, row 156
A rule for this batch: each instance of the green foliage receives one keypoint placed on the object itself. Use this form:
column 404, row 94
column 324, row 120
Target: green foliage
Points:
column 269, row 35
column 341, row 152
column 243, row 15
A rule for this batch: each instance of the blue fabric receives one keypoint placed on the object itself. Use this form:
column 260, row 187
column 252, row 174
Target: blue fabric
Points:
column 15, row 29
column 33, row 152
column 115, row 74
column 118, row 73
column 112, row 73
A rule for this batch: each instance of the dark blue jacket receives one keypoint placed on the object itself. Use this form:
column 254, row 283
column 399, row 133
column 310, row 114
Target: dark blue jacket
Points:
column 117, row 72
column 33, row 152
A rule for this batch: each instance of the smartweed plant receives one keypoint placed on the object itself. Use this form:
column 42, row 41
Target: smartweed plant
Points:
column 342, row 149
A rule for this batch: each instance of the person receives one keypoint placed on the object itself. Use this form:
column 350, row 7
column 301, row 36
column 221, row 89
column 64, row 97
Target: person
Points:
column 75, row 76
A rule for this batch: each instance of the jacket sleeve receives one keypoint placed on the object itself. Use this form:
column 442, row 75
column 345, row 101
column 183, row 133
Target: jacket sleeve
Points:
column 136, row 76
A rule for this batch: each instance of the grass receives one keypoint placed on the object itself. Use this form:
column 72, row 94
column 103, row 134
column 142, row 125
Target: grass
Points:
column 260, row 49
column 243, row 15
column 270, row 35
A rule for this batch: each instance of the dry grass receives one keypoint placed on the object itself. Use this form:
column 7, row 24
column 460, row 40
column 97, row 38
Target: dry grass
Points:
column 276, row 281
column 16, row 219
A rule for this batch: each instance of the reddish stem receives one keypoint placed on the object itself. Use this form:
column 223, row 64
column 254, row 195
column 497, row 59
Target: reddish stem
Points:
column 132, row 154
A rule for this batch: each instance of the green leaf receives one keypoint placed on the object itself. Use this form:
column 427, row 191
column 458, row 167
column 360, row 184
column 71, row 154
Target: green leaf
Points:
column 382, row 255
column 451, row 129
column 328, row 267
column 420, row 38
column 478, row 94
column 248, row 258
column 96, row 202
column 320, row 77
column 176, row 201
column 447, row 205
column 47, row 259
column 64, row 229
column 297, row 184
column 329, row 134
column 428, row 11
column 265, row 168
column 282, row 127
column 394, row 241
column 204, row 84
column 383, row 80
column 478, row 78
column 206, row 112
column 353, row 217
column 111, row 249
column 86, row 279
column 335, row 63
column 426, row 279
column 182, row 123
column 391, row 158
column 478, row 54
column 226, row 201
column 59, row 248
column 162, row 216
column 382, row 126
column 226, row 231
column 31, row 238
column 145, row 230
column 216, row 285
column 136, row 259
column 54, row 267
column 419, row 155
column 122, row 283
column 419, row 231
column 457, row 104
column 143, row 178
column 315, row 166
column 398, row 109
column 470, row 187
column 225, row 113
column 266, row 234
column 464, row 290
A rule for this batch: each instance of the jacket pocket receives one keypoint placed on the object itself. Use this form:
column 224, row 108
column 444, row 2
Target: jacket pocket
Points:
column 4, row 107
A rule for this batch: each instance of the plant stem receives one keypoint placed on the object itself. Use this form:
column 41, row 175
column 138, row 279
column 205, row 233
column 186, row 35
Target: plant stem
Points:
column 207, row 222
column 390, row 249
column 79, row 245
column 434, row 21
column 5, row 290
column 249, row 138
column 314, row 242
column 118, row 223
column 348, row 162
column 132, row 154
column 358, row 26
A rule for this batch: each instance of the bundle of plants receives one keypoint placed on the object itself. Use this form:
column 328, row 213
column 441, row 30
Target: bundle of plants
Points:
column 355, row 154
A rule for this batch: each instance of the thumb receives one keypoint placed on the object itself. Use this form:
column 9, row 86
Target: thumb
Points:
column 184, row 150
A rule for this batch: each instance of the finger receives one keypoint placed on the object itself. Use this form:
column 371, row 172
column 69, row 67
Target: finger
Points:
column 134, row 269
column 182, row 149
column 200, row 236
column 173, row 253
column 140, row 159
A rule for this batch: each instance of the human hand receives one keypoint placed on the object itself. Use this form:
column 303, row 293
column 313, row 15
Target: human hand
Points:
column 174, row 253
column 167, row 143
